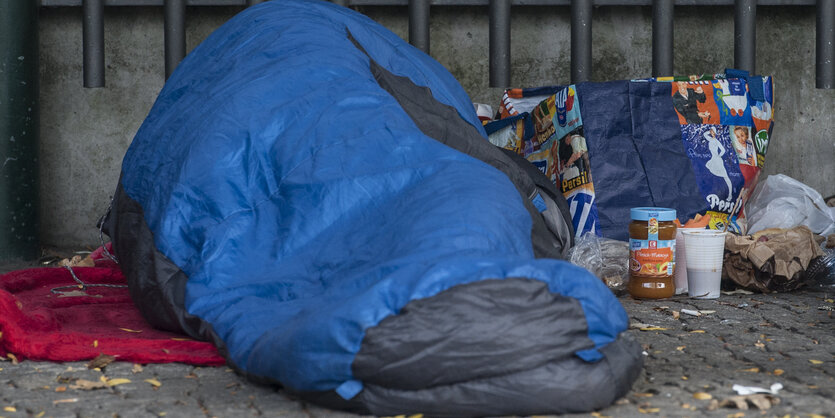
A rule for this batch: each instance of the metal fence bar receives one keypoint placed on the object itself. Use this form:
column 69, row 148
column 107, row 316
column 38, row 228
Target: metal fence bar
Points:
column 419, row 24
column 499, row 43
column 825, row 45
column 175, row 34
column 92, row 40
column 662, row 38
column 745, row 35
column 581, row 40
column 20, row 130
column 58, row 3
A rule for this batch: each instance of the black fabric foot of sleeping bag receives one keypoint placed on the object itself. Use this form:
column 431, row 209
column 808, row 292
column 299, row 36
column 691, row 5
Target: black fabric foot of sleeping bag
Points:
column 319, row 199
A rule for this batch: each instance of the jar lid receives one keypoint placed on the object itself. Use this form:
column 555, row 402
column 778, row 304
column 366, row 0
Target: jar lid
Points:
column 644, row 214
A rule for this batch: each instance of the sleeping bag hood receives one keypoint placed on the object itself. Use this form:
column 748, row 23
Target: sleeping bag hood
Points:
column 319, row 199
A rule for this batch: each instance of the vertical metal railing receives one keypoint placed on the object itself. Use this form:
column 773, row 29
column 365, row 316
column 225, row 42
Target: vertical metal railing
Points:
column 92, row 39
column 662, row 38
column 745, row 13
column 419, row 24
column 499, row 43
column 19, row 130
column 825, row 45
column 175, row 34
column 745, row 35
column 581, row 11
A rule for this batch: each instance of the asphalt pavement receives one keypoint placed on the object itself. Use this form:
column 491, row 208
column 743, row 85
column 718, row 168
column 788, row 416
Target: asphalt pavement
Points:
column 696, row 351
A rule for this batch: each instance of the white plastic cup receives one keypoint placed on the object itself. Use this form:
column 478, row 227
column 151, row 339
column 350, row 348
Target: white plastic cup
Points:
column 681, row 264
column 705, row 251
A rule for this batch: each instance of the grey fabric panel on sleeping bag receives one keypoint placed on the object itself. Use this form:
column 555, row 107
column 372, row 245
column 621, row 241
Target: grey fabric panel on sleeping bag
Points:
column 506, row 346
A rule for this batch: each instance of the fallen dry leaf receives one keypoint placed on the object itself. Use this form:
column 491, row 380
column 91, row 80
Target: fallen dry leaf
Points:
column 40, row 414
column 778, row 372
column 181, row 339
column 759, row 344
column 676, row 315
column 653, row 329
column 68, row 400
column 681, row 347
column 116, row 382
column 12, row 357
column 697, row 331
column 83, row 384
column 100, row 361
column 154, row 382
column 702, row 396
column 649, row 410
column 137, row 368
column 759, row 400
column 683, row 377
column 751, row 370
column 61, row 389
column 130, row 330
column 637, row 325
column 643, row 394
column 815, row 362
column 10, row 409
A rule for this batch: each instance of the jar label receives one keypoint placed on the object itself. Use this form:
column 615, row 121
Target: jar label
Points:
column 652, row 257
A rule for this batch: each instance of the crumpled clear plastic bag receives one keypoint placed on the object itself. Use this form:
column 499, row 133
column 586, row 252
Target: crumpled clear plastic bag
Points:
column 606, row 258
column 783, row 202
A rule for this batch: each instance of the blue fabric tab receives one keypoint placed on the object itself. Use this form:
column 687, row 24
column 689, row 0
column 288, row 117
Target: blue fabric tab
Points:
column 755, row 88
column 755, row 83
column 349, row 389
column 539, row 202
column 591, row 355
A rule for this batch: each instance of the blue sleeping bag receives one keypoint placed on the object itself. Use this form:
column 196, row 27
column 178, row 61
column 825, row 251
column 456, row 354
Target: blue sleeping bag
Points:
column 318, row 198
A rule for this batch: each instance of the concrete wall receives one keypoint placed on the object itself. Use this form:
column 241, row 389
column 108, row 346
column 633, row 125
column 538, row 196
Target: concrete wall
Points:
column 85, row 132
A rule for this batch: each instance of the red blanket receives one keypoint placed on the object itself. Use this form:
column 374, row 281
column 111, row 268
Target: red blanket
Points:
column 80, row 323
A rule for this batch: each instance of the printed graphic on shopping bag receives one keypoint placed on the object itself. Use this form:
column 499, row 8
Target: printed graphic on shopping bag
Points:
column 762, row 114
column 731, row 96
column 509, row 133
column 553, row 141
column 715, row 164
column 695, row 103
column 744, row 145
column 568, row 159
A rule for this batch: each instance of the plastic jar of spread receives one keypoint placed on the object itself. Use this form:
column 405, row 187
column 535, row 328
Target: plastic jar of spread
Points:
column 652, row 249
